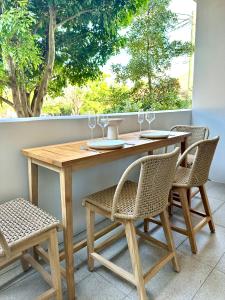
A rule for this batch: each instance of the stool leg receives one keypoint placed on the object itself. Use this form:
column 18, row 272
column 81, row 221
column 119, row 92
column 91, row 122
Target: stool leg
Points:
column 206, row 205
column 187, row 218
column 169, row 237
column 146, row 225
column 170, row 206
column 90, row 218
column 24, row 263
column 135, row 259
column 54, row 263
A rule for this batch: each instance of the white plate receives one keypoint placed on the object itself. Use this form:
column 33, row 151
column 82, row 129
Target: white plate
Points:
column 155, row 135
column 106, row 144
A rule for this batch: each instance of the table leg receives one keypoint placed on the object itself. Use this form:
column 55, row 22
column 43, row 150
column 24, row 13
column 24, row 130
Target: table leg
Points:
column 33, row 191
column 33, row 182
column 183, row 148
column 67, row 221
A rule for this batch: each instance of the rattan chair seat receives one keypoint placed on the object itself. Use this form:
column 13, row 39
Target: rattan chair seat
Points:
column 182, row 176
column 197, row 174
column 126, row 202
column 20, row 220
column 129, row 200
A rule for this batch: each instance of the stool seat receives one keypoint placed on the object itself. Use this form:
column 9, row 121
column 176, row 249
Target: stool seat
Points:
column 125, row 204
column 20, row 220
column 129, row 201
column 24, row 226
column 182, row 176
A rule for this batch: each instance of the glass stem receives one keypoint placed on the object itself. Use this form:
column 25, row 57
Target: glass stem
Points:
column 91, row 133
column 140, row 127
column 103, row 132
column 149, row 125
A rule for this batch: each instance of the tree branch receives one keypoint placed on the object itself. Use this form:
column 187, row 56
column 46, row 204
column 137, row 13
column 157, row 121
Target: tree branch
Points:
column 75, row 16
column 6, row 101
column 42, row 90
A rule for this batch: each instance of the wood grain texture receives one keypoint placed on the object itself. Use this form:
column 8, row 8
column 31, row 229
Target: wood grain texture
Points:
column 70, row 154
column 67, row 221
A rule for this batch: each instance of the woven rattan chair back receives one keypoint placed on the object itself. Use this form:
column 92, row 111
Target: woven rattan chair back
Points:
column 155, row 180
column 199, row 171
column 198, row 133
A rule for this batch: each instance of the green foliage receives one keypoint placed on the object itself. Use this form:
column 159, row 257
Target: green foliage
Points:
column 98, row 96
column 17, row 41
column 87, row 40
column 47, row 44
column 87, row 34
column 151, row 52
column 101, row 96
column 56, row 107
column 165, row 95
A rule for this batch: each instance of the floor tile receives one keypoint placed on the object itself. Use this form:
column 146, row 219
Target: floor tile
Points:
column 168, row 284
column 81, row 269
column 149, row 255
column 28, row 288
column 196, row 281
column 95, row 287
column 158, row 233
column 213, row 287
column 11, row 274
column 216, row 190
column 214, row 203
column 221, row 264
column 211, row 247
column 219, row 216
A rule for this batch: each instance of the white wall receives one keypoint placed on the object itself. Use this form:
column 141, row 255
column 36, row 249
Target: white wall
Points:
column 21, row 134
column 209, row 77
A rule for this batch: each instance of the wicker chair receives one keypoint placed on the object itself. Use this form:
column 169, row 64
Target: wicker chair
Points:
column 129, row 201
column 22, row 226
column 198, row 133
column 196, row 176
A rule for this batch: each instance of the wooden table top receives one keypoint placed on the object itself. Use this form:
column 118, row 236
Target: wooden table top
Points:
column 70, row 154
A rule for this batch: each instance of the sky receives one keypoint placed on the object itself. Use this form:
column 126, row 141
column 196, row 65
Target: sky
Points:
column 179, row 65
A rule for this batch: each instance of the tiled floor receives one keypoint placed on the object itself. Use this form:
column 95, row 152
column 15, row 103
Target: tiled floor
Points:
column 202, row 276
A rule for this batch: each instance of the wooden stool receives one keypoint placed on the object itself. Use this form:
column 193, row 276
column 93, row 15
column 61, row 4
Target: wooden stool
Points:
column 23, row 226
column 187, row 178
column 198, row 133
column 129, row 201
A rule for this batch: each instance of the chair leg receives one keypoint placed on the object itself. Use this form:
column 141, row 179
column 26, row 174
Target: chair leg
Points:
column 187, row 218
column 135, row 259
column 24, row 263
column 207, row 208
column 169, row 237
column 189, row 197
column 90, row 218
column 146, row 225
column 170, row 207
column 54, row 264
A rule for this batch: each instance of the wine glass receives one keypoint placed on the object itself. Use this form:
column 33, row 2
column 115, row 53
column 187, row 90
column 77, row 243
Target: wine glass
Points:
column 91, row 123
column 150, row 117
column 141, row 118
column 103, row 122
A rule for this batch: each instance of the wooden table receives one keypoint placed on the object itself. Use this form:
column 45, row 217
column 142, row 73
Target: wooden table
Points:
column 68, row 157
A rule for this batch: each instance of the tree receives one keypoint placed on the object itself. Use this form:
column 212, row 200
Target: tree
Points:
column 44, row 44
column 101, row 95
column 151, row 51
